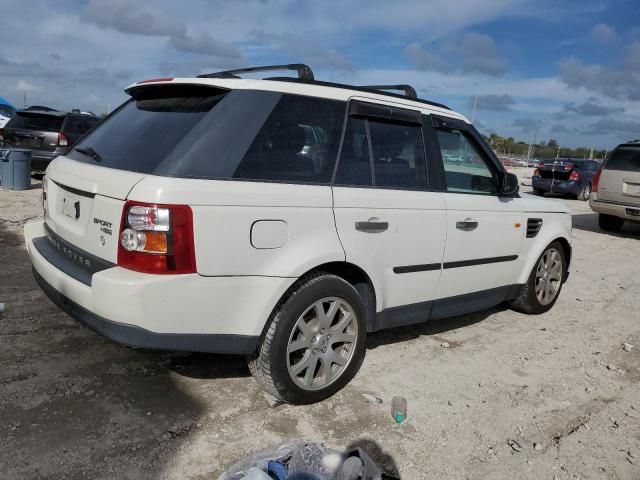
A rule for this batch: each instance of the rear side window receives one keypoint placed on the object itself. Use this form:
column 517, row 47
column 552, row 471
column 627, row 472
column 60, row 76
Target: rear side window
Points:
column 298, row 142
column 626, row 159
column 35, row 121
column 206, row 132
column 466, row 168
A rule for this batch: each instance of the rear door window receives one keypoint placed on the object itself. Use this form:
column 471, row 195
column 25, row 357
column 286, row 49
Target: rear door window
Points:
column 35, row 121
column 354, row 167
column 398, row 155
column 380, row 152
column 625, row 158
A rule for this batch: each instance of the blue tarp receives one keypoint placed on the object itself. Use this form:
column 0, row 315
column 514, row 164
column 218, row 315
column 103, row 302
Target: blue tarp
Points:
column 4, row 101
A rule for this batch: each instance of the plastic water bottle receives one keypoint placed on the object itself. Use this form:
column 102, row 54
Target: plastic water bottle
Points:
column 399, row 409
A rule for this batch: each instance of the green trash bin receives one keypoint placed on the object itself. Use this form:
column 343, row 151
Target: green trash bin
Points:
column 15, row 169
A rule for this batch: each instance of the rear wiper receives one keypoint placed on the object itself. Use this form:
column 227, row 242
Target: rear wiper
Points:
column 90, row 152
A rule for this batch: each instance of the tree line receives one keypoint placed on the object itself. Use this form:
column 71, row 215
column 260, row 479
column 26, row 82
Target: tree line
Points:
column 541, row 150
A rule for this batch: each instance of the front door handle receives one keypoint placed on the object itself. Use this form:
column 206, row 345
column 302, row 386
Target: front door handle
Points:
column 467, row 225
column 373, row 225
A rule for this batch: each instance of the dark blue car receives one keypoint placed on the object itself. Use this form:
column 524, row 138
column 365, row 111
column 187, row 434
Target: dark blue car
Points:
column 566, row 176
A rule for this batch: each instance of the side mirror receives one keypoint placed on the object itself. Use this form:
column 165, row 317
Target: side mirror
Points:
column 509, row 185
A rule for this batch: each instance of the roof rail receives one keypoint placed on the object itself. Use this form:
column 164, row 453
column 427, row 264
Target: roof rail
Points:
column 357, row 89
column 408, row 90
column 304, row 72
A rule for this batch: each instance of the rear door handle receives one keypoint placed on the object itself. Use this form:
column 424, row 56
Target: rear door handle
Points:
column 467, row 225
column 373, row 225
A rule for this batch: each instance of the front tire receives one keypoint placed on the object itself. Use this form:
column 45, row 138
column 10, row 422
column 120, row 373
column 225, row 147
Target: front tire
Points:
column 315, row 341
column 609, row 223
column 543, row 286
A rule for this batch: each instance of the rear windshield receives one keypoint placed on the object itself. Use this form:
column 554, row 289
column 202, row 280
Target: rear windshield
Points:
column 626, row 159
column 35, row 121
column 205, row 132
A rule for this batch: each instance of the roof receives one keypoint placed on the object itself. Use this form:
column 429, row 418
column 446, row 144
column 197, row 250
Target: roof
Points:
column 308, row 88
column 54, row 113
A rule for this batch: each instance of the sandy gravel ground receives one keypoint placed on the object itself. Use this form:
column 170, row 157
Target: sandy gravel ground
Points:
column 495, row 395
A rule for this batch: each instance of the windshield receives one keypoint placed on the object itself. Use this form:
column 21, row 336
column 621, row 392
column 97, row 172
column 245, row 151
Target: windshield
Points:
column 36, row 121
column 626, row 158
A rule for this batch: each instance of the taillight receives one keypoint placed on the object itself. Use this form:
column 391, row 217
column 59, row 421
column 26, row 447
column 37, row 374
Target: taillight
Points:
column 596, row 180
column 574, row 176
column 536, row 171
column 63, row 141
column 157, row 239
column 541, row 165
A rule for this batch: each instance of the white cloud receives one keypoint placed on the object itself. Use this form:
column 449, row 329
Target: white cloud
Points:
column 603, row 33
column 26, row 87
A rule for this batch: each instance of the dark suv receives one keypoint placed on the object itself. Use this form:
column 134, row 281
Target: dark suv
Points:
column 566, row 176
column 47, row 133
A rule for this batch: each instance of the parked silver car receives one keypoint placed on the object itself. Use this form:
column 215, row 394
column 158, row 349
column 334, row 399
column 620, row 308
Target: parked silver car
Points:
column 616, row 188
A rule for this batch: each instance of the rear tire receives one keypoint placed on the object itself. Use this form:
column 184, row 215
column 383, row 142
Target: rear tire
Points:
column 585, row 192
column 544, row 284
column 610, row 223
column 298, row 361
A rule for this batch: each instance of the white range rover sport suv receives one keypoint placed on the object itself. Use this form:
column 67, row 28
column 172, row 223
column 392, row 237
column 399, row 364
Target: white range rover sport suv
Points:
column 285, row 219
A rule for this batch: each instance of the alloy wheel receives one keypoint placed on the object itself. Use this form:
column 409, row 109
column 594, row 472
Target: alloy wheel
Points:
column 322, row 343
column 548, row 276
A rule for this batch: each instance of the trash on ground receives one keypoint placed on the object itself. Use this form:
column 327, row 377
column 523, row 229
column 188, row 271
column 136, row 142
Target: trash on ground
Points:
column 307, row 460
column 399, row 409
column 371, row 398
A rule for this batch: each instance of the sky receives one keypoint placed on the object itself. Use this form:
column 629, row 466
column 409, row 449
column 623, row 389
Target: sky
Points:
column 568, row 70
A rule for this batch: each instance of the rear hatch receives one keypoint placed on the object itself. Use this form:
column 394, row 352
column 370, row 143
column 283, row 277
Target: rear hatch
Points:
column 150, row 134
column 84, row 206
column 33, row 130
column 620, row 176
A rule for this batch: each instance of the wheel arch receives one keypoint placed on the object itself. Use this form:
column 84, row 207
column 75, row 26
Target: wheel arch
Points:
column 533, row 250
column 567, row 250
column 351, row 273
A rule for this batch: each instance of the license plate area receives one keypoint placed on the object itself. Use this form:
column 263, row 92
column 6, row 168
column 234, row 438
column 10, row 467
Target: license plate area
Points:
column 631, row 188
column 71, row 207
column 633, row 212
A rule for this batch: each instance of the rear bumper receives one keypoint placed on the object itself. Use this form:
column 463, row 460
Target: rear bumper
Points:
column 173, row 312
column 616, row 209
column 40, row 160
column 556, row 186
column 139, row 337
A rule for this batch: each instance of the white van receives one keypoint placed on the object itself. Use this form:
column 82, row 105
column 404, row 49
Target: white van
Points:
column 285, row 219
